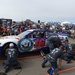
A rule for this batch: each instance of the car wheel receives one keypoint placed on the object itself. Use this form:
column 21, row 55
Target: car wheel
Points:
column 25, row 45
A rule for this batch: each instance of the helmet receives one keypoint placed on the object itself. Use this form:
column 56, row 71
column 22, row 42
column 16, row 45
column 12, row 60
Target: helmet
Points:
column 11, row 45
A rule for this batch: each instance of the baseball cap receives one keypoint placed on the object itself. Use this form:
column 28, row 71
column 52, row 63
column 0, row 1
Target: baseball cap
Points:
column 11, row 44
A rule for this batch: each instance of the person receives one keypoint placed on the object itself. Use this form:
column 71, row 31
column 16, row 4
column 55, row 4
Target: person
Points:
column 11, row 54
column 53, row 41
column 68, row 52
column 1, row 29
column 52, row 58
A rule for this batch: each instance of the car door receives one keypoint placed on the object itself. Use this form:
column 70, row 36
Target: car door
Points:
column 39, row 40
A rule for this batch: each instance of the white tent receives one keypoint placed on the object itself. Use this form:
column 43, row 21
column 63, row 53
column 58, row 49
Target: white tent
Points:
column 65, row 23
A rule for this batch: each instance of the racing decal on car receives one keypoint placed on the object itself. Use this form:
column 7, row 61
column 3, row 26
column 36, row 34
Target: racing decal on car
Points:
column 42, row 42
column 39, row 42
column 25, row 45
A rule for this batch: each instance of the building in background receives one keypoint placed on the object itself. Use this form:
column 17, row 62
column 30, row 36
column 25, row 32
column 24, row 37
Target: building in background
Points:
column 6, row 22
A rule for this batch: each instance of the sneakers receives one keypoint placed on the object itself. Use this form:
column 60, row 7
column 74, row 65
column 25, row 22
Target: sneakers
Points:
column 7, row 69
column 43, row 66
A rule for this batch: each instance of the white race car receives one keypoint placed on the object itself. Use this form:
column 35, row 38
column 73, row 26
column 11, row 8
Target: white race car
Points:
column 26, row 41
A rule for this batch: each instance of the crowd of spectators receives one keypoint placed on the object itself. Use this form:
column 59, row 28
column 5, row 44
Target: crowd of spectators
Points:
column 18, row 27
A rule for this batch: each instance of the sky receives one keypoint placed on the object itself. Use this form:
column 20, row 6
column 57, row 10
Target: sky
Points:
column 43, row 10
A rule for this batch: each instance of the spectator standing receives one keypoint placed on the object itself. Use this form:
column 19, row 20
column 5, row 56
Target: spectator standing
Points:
column 72, row 33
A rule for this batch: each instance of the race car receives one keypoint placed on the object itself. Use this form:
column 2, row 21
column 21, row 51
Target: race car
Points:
column 29, row 40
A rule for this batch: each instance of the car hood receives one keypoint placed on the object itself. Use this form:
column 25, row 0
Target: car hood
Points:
column 10, row 37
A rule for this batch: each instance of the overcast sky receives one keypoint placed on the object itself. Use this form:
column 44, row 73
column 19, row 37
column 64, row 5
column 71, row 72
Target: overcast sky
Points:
column 44, row 10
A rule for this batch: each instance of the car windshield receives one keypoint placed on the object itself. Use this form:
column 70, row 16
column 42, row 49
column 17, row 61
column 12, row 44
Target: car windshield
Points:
column 23, row 34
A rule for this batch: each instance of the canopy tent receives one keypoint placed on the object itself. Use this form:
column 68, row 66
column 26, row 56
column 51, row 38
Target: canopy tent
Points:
column 65, row 23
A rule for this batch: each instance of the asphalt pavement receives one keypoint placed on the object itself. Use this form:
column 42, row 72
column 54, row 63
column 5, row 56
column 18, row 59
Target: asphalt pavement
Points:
column 31, row 65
